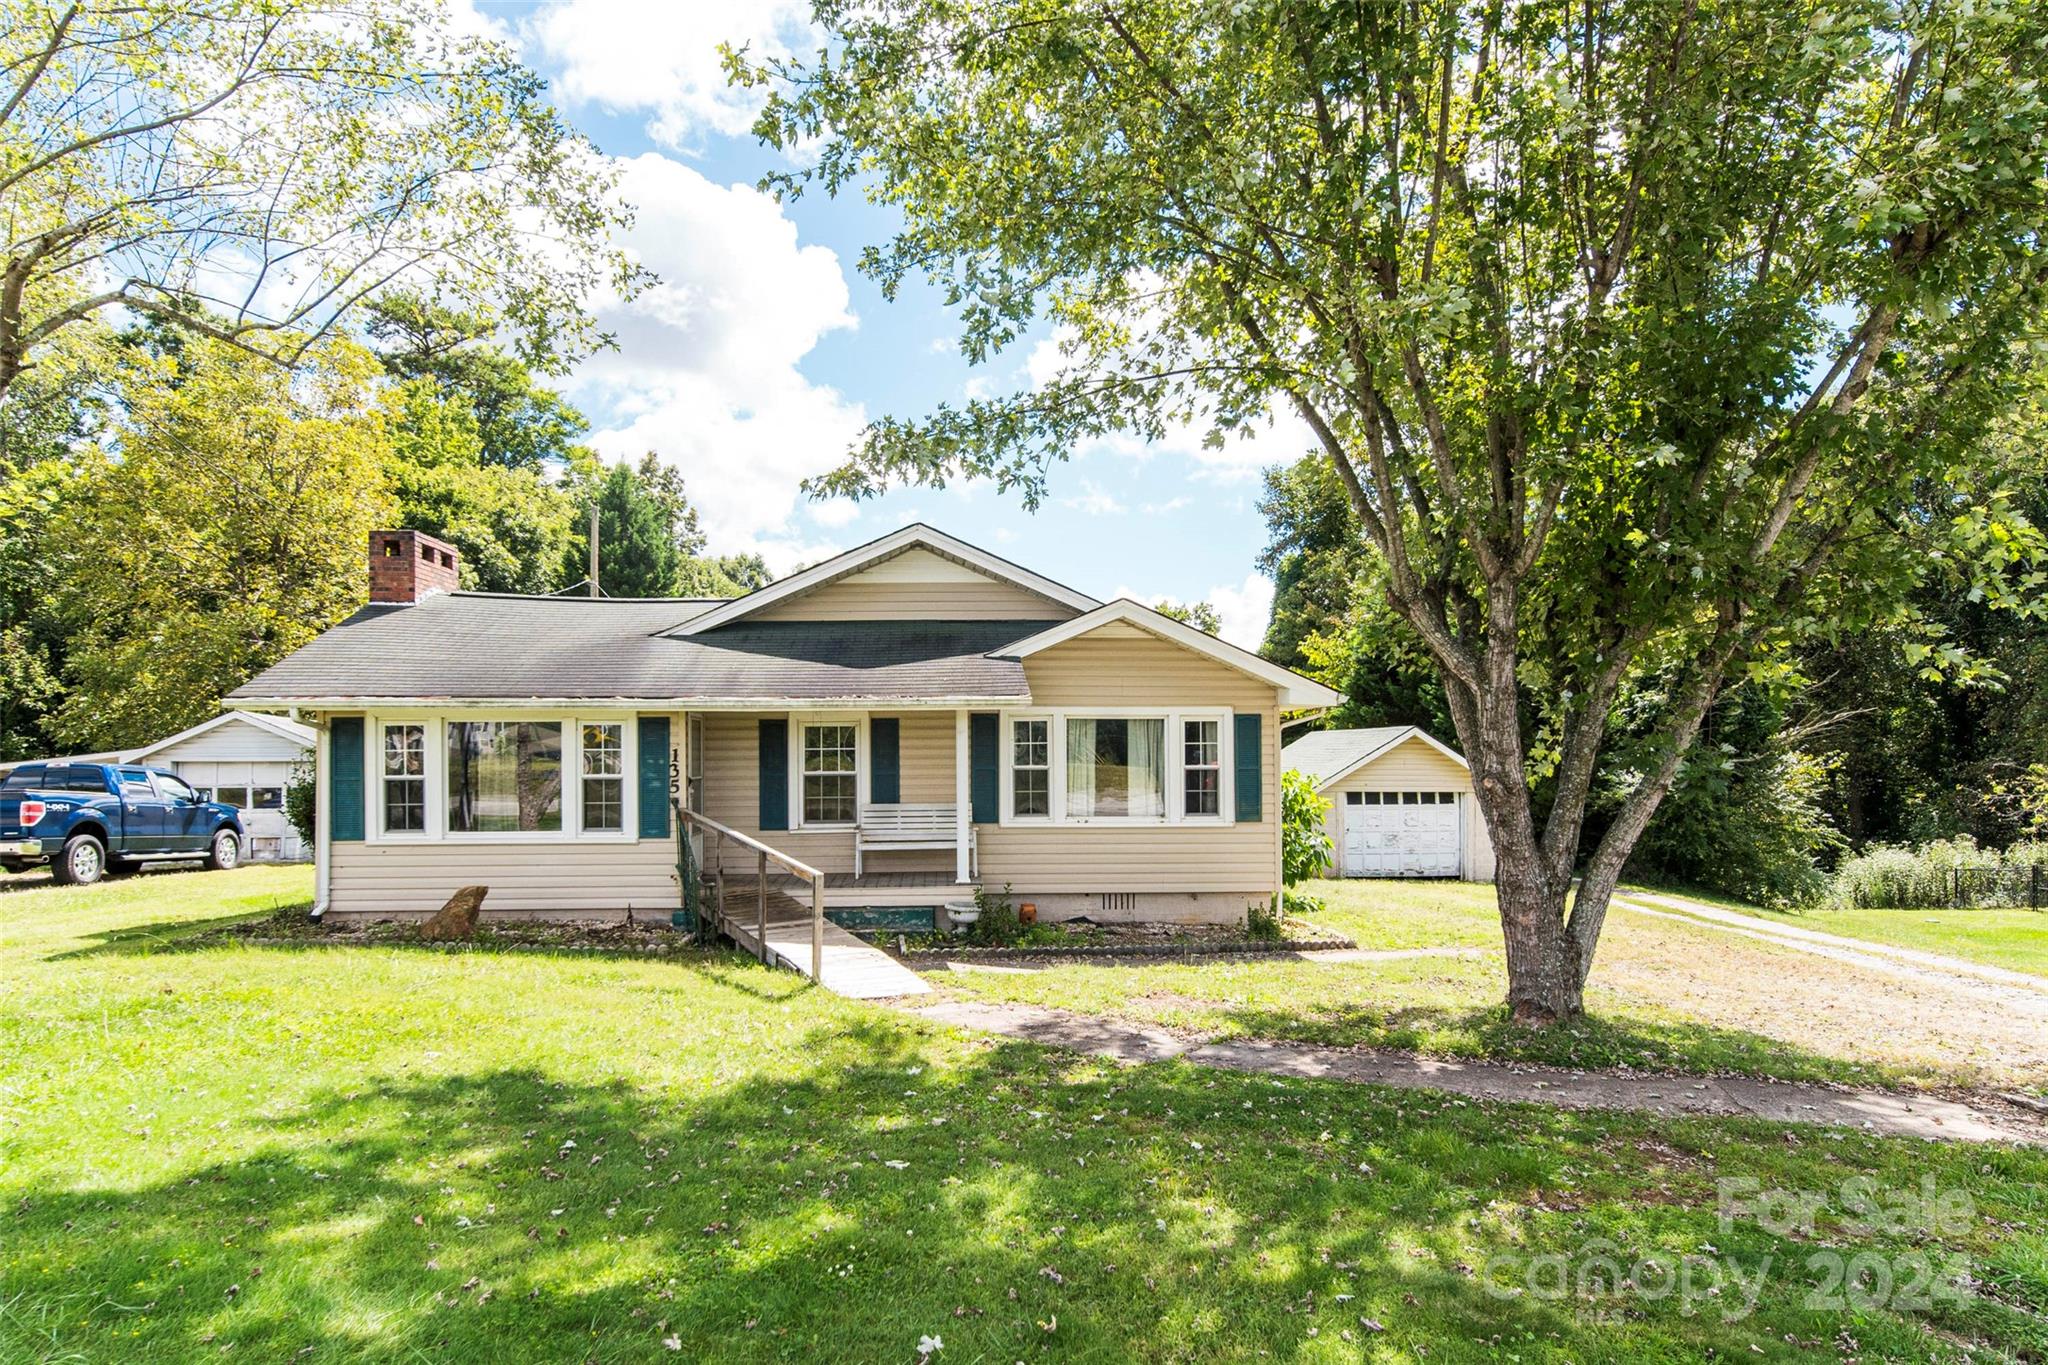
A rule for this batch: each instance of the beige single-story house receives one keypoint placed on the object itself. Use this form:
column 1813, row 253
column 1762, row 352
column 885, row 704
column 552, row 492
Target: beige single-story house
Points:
column 1400, row 803
column 916, row 718
column 241, row 758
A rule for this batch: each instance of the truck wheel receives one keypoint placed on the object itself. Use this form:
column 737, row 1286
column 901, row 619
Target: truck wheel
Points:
column 82, row 862
column 225, row 853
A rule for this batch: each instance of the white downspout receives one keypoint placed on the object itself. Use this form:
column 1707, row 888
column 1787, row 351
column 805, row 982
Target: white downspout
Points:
column 322, row 836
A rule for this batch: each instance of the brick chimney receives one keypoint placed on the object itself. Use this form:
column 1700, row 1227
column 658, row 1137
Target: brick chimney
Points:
column 408, row 565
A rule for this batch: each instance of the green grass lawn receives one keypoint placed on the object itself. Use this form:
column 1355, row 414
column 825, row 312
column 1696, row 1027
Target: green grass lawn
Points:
column 1449, row 1005
column 396, row 1153
column 2013, row 939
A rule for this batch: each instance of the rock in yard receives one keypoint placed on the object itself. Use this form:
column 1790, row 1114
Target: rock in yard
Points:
column 456, row 919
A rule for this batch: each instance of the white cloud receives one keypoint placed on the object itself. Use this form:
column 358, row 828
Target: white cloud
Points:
column 835, row 512
column 660, row 58
column 1093, row 500
column 1243, row 610
column 706, row 371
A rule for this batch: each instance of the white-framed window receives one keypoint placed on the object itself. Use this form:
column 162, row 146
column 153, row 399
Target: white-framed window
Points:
column 1201, row 767
column 497, row 777
column 1120, row 767
column 404, row 804
column 1116, row 768
column 603, row 762
column 504, row 776
column 1031, row 768
column 829, row 772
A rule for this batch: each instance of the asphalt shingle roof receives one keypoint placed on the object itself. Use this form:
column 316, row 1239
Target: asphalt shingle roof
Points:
column 1324, row 754
column 482, row 646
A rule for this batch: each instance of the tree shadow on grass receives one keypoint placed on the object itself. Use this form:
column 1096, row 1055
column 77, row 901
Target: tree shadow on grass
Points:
column 171, row 935
column 1595, row 1042
column 1021, row 1203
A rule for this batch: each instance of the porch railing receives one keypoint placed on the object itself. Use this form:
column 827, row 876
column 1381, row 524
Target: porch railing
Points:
column 712, row 868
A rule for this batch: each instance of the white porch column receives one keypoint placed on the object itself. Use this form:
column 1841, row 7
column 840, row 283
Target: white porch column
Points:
column 963, row 797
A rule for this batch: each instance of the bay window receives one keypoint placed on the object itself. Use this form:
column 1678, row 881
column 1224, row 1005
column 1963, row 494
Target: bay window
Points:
column 504, row 776
column 404, row 780
column 604, row 778
column 831, row 773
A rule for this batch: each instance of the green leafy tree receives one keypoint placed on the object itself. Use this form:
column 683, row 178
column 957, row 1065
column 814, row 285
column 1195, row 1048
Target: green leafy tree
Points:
column 640, row 548
column 723, row 576
column 1200, row 615
column 513, row 526
column 1631, row 331
column 1314, row 554
column 255, row 169
column 229, row 532
column 519, row 423
column 1305, row 845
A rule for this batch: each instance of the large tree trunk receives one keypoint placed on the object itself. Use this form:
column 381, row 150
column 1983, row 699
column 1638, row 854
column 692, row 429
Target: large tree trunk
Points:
column 1545, row 984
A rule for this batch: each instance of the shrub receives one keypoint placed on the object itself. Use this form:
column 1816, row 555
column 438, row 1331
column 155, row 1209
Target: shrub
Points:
column 1262, row 923
column 1304, row 830
column 998, row 926
column 1750, row 827
column 1888, row 877
column 301, row 799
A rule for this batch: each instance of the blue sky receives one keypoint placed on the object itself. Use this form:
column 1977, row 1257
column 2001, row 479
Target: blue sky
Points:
column 763, row 350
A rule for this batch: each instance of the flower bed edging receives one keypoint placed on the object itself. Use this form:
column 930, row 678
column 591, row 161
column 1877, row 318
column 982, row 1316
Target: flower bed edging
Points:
column 1224, row 948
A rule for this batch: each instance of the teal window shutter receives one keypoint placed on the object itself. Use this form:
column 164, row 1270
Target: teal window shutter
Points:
column 775, row 774
column 345, row 779
column 885, row 771
column 984, row 780
column 1251, row 758
column 654, row 762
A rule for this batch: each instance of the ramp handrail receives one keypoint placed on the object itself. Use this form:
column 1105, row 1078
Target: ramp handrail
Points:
column 764, row 854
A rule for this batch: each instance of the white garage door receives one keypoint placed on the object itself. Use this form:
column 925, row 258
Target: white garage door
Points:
column 1401, row 834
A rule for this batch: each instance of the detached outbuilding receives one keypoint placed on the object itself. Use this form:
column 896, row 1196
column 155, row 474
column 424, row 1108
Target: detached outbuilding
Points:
column 1400, row 803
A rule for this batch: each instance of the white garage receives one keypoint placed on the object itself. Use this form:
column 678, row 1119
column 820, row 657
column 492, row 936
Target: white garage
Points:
column 1400, row 803
column 241, row 758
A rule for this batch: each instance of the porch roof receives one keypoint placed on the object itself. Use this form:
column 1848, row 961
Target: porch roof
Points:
column 486, row 647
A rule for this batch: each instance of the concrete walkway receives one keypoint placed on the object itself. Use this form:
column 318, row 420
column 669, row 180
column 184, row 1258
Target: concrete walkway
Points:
column 1872, row 1111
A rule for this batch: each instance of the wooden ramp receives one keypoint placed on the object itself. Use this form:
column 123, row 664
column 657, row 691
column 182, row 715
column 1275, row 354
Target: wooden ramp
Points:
column 854, row 969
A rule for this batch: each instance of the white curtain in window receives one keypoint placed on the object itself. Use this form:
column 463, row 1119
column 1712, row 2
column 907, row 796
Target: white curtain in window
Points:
column 1116, row 767
column 1081, row 767
column 1147, row 780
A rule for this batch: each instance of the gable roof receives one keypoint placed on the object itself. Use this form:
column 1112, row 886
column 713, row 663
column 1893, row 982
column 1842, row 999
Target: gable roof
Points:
column 1295, row 690
column 1329, row 756
column 283, row 728
column 914, row 536
column 277, row 725
column 484, row 647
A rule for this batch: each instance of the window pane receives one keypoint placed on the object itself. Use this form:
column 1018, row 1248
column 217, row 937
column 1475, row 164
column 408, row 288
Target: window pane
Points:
column 604, row 750
column 829, row 767
column 405, row 805
column 405, row 750
column 604, row 805
column 1031, row 792
column 828, row 798
column 1116, row 767
column 1201, row 755
column 504, row 776
column 1031, row 768
column 268, row 798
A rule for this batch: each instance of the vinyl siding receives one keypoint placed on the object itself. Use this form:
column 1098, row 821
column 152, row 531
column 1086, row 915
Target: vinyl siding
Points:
column 402, row 878
column 732, row 789
column 1121, row 665
column 235, row 742
column 855, row 600
column 1413, row 765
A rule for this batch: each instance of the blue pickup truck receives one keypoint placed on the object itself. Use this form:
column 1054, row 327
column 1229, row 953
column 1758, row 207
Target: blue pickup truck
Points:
column 88, row 819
